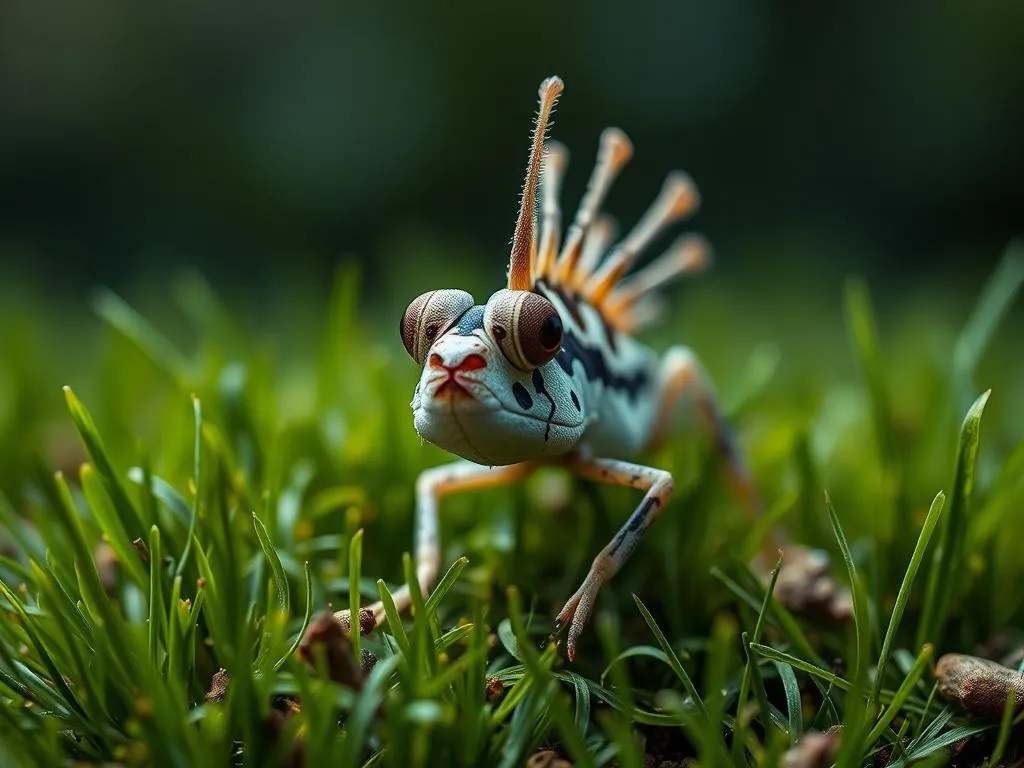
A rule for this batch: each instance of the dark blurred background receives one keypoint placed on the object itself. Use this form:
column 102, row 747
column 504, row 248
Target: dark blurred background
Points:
column 246, row 141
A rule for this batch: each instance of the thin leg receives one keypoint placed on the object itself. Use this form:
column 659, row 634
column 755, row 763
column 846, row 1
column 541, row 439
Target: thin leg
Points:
column 804, row 583
column 658, row 485
column 682, row 375
column 431, row 486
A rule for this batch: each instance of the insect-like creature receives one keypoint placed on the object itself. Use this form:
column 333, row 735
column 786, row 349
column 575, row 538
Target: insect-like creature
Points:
column 547, row 369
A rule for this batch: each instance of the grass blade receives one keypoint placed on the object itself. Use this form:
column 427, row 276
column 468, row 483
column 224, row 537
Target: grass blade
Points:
column 673, row 660
column 394, row 620
column 900, row 697
column 197, row 415
column 903, row 596
column 130, row 518
column 157, row 616
column 305, row 621
column 793, row 704
column 276, row 569
column 948, row 553
column 445, row 584
column 355, row 574
column 823, row 674
column 860, row 612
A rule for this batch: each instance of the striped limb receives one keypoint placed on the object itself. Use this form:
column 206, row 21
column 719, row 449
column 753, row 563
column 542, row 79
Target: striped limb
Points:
column 658, row 486
column 431, row 486
column 804, row 583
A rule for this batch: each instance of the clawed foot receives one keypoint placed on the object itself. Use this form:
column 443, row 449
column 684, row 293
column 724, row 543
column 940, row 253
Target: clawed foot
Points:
column 577, row 610
column 805, row 585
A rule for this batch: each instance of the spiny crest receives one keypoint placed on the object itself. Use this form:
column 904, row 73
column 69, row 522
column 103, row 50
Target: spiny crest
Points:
column 587, row 264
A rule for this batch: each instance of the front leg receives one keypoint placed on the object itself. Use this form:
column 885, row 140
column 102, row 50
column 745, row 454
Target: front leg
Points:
column 431, row 486
column 658, row 485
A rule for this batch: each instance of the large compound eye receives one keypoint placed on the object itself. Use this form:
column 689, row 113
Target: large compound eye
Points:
column 525, row 326
column 428, row 316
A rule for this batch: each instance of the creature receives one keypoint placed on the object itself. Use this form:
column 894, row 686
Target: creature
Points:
column 547, row 369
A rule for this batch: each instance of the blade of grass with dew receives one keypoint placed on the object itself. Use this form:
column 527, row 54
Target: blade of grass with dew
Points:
column 945, row 560
column 903, row 596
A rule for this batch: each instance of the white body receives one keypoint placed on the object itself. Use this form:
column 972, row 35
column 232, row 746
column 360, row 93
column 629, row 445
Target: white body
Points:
column 605, row 404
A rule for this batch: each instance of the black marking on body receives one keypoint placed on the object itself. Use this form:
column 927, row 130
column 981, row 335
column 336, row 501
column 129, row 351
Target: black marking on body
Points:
column 471, row 320
column 575, row 400
column 596, row 366
column 572, row 301
column 522, row 396
column 538, row 384
column 609, row 333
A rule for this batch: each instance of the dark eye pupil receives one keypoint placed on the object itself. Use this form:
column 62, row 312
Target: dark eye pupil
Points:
column 551, row 332
column 431, row 332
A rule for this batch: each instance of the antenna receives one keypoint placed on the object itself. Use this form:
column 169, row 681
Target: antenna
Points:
column 524, row 240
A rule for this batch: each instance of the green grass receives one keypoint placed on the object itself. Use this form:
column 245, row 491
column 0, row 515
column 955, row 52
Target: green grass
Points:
column 204, row 489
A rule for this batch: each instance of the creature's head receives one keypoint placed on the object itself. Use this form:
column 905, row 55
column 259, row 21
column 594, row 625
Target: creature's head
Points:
column 492, row 390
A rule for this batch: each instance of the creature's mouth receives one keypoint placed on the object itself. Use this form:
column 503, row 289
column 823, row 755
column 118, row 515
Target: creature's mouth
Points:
column 467, row 390
column 451, row 390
